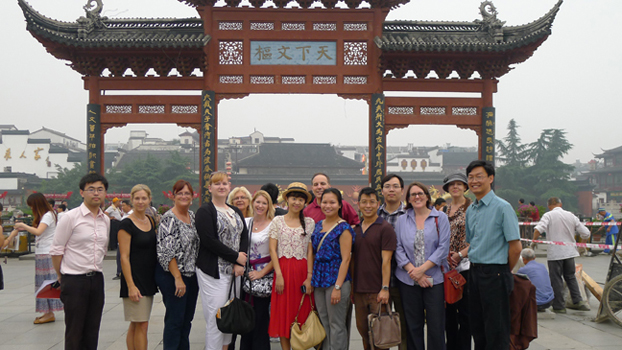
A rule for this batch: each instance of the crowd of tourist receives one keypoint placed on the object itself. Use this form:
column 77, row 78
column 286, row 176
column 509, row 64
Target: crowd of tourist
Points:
column 391, row 254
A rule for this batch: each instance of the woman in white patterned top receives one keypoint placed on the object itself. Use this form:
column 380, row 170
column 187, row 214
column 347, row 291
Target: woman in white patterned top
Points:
column 222, row 255
column 178, row 248
column 292, row 257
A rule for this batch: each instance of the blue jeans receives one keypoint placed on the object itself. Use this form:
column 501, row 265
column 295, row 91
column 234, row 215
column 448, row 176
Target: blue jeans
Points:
column 611, row 239
column 179, row 311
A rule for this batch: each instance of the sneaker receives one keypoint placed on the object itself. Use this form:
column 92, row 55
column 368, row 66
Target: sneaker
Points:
column 117, row 277
column 581, row 306
column 559, row 311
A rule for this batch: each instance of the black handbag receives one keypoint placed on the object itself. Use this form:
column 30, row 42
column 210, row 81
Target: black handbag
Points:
column 236, row 316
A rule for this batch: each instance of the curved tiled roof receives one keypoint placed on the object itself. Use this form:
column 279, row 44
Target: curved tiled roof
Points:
column 476, row 36
column 117, row 33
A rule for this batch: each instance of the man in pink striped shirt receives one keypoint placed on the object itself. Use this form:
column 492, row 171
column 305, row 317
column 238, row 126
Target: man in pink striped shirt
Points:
column 78, row 252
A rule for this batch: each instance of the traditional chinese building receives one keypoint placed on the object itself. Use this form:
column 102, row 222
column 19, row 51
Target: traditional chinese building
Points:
column 233, row 51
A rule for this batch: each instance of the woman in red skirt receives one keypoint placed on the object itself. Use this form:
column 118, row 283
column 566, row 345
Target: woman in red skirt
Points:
column 292, row 255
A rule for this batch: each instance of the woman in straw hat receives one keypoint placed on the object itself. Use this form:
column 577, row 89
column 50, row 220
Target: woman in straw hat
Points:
column 292, row 257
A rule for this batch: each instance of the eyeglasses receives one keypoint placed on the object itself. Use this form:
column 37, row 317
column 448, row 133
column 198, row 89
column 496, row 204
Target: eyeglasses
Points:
column 388, row 187
column 479, row 177
column 183, row 194
column 418, row 194
column 95, row 190
column 241, row 198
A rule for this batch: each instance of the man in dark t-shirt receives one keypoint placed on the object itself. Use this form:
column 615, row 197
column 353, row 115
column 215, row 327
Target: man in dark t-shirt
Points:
column 374, row 245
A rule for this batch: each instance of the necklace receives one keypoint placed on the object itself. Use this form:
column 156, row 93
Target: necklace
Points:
column 143, row 220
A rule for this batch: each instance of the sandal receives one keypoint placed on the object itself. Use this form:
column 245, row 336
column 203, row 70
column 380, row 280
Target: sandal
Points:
column 41, row 320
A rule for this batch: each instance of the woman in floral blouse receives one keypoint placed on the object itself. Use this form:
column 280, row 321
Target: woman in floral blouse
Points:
column 332, row 242
column 457, row 315
column 292, row 257
column 178, row 248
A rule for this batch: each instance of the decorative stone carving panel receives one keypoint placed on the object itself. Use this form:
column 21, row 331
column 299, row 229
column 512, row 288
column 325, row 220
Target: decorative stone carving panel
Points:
column 355, row 79
column 292, row 26
column 401, row 110
column 262, row 25
column 328, row 27
column 293, row 79
column 151, row 109
column 355, row 53
column 262, row 79
column 324, row 79
column 119, row 109
column 432, row 111
column 184, row 109
column 231, row 52
column 236, row 25
column 231, row 79
column 464, row 110
column 355, row 27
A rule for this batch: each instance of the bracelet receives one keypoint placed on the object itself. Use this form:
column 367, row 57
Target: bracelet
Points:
column 460, row 255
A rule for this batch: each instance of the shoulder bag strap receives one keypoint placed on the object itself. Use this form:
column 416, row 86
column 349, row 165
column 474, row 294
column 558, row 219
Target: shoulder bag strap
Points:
column 439, row 237
column 326, row 234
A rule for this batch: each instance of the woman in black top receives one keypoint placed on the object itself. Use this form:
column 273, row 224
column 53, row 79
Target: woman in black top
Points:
column 222, row 255
column 137, row 246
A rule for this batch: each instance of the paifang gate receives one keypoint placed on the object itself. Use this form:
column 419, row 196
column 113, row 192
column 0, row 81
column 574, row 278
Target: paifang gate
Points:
column 239, row 50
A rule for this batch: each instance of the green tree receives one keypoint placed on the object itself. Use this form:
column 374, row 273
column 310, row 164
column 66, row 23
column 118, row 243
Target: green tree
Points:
column 511, row 151
column 67, row 180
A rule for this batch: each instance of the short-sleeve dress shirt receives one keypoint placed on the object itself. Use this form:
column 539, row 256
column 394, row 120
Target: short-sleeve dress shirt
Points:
column 491, row 223
column 82, row 240
column 560, row 226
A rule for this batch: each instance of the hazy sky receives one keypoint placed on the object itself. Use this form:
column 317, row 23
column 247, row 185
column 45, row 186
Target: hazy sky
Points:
column 569, row 83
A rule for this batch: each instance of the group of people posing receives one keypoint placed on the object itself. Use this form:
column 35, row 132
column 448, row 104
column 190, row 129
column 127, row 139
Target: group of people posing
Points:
column 395, row 253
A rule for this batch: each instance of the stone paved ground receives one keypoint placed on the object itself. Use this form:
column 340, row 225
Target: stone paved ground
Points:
column 574, row 330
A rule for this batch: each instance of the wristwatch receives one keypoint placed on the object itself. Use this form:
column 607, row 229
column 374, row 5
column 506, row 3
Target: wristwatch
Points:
column 460, row 255
column 337, row 287
column 385, row 287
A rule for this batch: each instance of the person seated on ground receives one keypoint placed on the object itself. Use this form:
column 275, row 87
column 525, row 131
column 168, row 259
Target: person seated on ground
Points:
column 539, row 277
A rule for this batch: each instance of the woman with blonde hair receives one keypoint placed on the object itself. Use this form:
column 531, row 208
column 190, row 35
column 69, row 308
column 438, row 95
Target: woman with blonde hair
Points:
column 260, row 273
column 137, row 247
column 222, row 255
column 43, row 227
column 241, row 198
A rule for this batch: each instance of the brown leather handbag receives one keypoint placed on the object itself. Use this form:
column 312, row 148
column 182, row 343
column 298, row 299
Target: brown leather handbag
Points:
column 384, row 329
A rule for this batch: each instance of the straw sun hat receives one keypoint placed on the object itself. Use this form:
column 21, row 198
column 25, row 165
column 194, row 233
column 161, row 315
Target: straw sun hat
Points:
column 297, row 187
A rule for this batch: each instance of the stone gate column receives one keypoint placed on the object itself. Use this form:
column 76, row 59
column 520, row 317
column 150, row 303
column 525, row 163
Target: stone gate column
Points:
column 377, row 143
column 209, row 137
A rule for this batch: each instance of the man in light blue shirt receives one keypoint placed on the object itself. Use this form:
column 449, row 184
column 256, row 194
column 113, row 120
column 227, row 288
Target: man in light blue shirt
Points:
column 492, row 232
column 539, row 277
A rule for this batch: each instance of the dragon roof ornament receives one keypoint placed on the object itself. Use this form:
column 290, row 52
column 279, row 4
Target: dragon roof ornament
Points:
column 490, row 22
column 93, row 19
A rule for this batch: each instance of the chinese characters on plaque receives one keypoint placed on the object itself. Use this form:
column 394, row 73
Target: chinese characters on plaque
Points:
column 377, row 151
column 208, row 102
column 294, row 53
column 488, row 134
column 93, row 133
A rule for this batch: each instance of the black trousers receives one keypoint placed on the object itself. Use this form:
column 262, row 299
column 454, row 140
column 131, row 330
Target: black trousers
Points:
column 424, row 306
column 258, row 338
column 83, row 300
column 457, row 321
column 490, row 286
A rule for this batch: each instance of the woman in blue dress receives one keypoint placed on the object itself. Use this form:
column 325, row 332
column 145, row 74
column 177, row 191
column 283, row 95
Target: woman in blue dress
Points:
column 332, row 242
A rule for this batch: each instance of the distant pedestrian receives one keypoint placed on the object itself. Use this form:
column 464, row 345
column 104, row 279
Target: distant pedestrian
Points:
column 561, row 226
column 440, row 203
column 535, row 213
column 43, row 228
column 612, row 231
column 78, row 252
column 493, row 235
